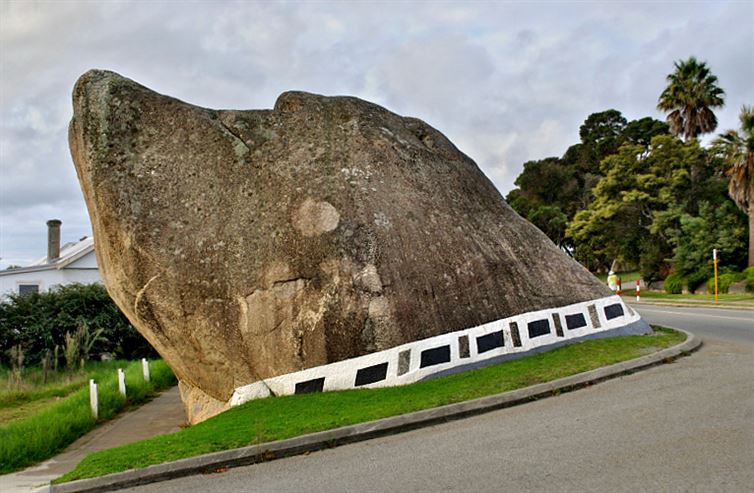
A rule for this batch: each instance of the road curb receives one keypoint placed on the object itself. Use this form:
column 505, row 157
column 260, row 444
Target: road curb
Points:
column 364, row 431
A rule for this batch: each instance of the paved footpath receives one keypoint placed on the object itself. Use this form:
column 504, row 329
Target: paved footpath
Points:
column 163, row 414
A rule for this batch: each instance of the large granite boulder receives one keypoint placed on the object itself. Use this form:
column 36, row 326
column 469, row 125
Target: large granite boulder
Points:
column 250, row 244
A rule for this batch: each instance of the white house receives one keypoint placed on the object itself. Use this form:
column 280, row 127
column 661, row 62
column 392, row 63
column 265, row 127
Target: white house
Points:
column 75, row 262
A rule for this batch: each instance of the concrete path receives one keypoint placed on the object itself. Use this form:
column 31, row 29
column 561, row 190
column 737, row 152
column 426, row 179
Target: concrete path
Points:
column 164, row 414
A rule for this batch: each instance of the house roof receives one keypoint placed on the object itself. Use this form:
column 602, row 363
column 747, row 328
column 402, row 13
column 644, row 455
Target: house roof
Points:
column 69, row 253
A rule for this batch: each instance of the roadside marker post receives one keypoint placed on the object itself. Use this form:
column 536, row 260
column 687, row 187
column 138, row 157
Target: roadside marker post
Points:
column 638, row 290
column 145, row 368
column 714, row 260
column 93, row 401
column 122, row 382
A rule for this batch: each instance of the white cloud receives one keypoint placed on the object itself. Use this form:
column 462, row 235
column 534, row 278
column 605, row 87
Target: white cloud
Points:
column 507, row 82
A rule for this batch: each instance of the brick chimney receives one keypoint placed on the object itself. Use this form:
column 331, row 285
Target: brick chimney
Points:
column 53, row 239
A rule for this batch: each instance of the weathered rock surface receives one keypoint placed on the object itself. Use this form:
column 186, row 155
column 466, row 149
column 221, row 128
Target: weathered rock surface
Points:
column 249, row 244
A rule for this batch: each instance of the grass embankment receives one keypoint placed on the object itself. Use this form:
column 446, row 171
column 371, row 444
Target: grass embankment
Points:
column 278, row 418
column 22, row 397
column 58, row 420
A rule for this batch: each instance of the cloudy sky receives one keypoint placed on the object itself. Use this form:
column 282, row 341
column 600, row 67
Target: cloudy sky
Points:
column 506, row 81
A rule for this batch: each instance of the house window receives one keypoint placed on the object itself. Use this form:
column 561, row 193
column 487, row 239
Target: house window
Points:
column 28, row 288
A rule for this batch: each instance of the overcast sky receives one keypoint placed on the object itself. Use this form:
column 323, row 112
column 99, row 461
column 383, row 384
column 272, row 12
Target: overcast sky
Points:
column 505, row 81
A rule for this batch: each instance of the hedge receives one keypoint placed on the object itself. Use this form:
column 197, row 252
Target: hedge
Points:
column 38, row 322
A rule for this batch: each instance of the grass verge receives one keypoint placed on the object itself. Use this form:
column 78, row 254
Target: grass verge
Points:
column 627, row 279
column 701, row 297
column 42, row 434
column 20, row 399
column 277, row 418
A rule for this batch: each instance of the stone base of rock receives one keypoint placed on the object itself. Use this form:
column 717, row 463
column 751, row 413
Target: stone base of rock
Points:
column 198, row 405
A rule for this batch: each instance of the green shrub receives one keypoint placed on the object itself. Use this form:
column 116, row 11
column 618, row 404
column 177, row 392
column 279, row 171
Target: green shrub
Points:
column 697, row 279
column 674, row 283
column 38, row 322
column 749, row 276
column 724, row 281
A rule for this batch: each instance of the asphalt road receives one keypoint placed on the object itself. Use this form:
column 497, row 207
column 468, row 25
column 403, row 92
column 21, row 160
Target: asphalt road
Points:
column 685, row 426
column 730, row 325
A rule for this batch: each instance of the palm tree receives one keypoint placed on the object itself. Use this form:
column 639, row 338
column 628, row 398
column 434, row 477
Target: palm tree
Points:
column 738, row 151
column 691, row 94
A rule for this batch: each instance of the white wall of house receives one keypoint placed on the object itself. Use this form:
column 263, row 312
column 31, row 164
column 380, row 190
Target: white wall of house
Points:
column 83, row 271
column 88, row 261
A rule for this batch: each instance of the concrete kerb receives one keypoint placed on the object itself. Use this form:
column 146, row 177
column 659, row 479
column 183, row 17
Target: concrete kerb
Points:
column 364, row 431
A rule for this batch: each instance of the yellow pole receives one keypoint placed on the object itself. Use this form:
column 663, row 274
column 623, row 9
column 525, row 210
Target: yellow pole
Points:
column 714, row 257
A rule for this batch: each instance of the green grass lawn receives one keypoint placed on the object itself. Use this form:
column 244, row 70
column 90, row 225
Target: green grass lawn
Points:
column 39, row 421
column 277, row 418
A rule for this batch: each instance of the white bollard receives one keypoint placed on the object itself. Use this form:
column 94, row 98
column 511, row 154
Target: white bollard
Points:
column 145, row 367
column 638, row 290
column 122, row 382
column 93, row 401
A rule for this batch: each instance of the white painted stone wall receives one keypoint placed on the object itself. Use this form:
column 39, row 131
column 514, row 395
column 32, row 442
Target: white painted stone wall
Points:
column 342, row 375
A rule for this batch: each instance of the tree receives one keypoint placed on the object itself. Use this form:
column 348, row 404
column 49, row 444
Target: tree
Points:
column 601, row 135
column 737, row 151
column 552, row 191
column 614, row 223
column 635, row 216
column 642, row 131
column 546, row 190
column 688, row 99
column 716, row 227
